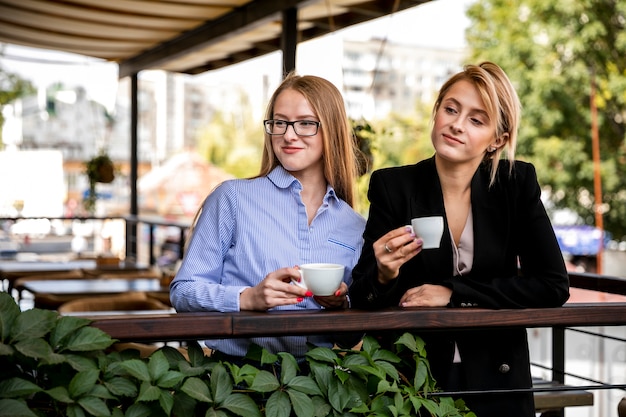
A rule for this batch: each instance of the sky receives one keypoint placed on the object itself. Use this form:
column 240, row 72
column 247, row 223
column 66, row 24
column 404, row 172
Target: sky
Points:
column 438, row 23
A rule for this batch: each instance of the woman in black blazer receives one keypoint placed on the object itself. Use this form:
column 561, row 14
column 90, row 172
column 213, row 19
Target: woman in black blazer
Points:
column 498, row 248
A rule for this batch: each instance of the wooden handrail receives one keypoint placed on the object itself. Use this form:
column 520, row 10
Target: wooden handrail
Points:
column 206, row 325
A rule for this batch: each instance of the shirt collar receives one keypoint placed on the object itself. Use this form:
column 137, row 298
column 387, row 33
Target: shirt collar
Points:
column 281, row 178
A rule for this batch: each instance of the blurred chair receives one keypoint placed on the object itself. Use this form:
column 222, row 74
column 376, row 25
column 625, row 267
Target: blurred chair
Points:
column 134, row 301
column 129, row 302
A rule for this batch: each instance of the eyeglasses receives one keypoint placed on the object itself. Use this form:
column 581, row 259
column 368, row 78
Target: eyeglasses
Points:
column 301, row 127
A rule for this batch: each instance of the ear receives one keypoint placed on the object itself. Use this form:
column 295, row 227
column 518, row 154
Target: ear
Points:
column 499, row 142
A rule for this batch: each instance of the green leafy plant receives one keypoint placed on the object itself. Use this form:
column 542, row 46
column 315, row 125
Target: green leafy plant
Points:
column 52, row 365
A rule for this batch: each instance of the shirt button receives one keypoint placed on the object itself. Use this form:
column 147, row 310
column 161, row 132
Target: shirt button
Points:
column 504, row 368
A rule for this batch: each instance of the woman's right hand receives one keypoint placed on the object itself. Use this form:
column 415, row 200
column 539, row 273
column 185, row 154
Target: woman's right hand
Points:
column 393, row 250
column 275, row 290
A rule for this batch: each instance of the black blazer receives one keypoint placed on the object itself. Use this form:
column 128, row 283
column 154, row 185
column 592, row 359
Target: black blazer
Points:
column 517, row 263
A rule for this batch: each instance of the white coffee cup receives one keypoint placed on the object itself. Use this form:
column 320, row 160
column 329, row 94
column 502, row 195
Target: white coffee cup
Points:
column 430, row 229
column 321, row 278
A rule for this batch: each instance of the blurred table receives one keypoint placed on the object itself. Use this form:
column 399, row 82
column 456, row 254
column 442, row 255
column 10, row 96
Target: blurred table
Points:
column 63, row 290
column 14, row 269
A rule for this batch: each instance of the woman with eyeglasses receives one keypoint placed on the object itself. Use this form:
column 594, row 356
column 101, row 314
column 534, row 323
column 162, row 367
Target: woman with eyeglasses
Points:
column 250, row 235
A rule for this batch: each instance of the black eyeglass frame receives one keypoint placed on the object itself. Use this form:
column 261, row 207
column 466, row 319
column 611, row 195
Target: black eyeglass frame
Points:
column 268, row 125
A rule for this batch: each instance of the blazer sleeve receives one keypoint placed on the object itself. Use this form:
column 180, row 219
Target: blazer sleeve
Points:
column 365, row 291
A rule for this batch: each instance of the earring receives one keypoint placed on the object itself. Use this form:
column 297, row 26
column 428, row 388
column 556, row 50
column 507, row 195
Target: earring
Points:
column 491, row 149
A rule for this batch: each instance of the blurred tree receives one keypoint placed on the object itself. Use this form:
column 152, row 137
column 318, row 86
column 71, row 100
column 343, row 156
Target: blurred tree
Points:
column 550, row 49
column 233, row 141
column 12, row 86
column 393, row 141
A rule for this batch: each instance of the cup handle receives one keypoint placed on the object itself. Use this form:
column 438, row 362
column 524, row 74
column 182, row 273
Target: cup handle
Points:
column 301, row 283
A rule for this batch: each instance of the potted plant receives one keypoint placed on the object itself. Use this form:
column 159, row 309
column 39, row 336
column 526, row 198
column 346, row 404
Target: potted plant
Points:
column 100, row 168
column 55, row 365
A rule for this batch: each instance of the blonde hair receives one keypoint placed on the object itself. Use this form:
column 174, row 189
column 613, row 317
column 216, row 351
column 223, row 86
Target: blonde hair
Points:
column 339, row 147
column 500, row 99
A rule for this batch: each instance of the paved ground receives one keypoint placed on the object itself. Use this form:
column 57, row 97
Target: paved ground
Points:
column 614, row 263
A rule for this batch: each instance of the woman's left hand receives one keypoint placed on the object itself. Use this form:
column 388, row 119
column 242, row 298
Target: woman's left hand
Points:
column 337, row 300
column 427, row 295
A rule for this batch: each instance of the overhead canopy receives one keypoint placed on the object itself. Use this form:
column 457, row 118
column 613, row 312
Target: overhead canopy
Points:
column 185, row 36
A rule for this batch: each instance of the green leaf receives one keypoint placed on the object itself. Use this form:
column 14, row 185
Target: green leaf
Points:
column 421, row 374
column 195, row 353
column 173, row 356
column 53, row 359
column 138, row 410
column 321, row 408
column 6, row 350
column 189, row 370
column 221, row 384
column 83, row 382
column 94, row 406
column 75, row 410
column 15, row 408
column 304, row 384
column 322, row 354
column 157, row 365
column 9, row 311
column 389, row 369
column 288, row 367
column 265, row 382
column 60, row 394
column 33, row 348
column 166, row 400
column 80, row 363
column 241, row 405
column 170, row 379
column 121, row 386
column 385, row 355
column 137, row 369
column 197, row 389
column 338, row 395
column 88, row 338
column 32, row 324
column 65, row 326
column 278, row 405
column 409, row 341
column 148, row 392
column 17, row 387
column 370, row 345
column 101, row 391
column 301, row 403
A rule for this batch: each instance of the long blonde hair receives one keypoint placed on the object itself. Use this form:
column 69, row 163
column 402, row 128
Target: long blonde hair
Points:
column 339, row 147
column 500, row 99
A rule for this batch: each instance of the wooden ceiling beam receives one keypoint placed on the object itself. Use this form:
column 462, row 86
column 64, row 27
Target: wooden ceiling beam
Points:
column 241, row 19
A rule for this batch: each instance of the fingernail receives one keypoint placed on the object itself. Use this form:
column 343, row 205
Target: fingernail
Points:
column 419, row 241
column 296, row 267
column 337, row 293
column 409, row 229
column 309, row 294
column 300, row 299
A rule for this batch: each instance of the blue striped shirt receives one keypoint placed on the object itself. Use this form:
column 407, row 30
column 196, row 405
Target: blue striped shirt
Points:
column 251, row 227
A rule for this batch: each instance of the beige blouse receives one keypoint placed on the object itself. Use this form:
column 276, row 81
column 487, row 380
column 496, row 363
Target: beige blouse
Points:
column 462, row 258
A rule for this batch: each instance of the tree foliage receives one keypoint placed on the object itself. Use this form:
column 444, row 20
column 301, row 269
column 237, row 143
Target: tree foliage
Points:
column 553, row 51
column 12, row 86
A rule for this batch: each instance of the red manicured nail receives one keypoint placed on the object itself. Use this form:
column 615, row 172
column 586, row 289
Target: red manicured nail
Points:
column 309, row 294
column 337, row 293
column 300, row 299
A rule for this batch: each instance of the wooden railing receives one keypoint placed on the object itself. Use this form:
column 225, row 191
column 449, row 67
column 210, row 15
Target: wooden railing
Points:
column 206, row 325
